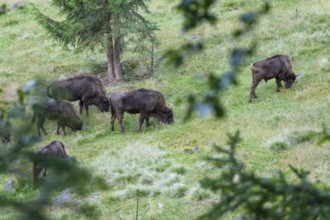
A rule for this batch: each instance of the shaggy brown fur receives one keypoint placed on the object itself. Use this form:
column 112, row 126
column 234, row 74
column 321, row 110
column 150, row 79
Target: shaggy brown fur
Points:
column 87, row 89
column 147, row 102
column 54, row 149
column 278, row 67
column 64, row 112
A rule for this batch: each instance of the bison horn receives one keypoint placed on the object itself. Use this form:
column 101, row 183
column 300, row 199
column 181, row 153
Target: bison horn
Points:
column 297, row 74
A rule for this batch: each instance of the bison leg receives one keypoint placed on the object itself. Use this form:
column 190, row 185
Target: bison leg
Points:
column 40, row 124
column 147, row 121
column 44, row 174
column 63, row 128
column 253, row 89
column 60, row 125
column 86, row 104
column 143, row 117
column 254, row 84
column 34, row 174
column 112, row 121
column 81, row 104
column 36, row 170
column 278, row 83
column 120, row 121
column 58, row 128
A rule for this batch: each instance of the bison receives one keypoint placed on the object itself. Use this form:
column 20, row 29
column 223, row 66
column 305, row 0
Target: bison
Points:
column 278, row 67
column 87, row 89
column 64, row 112
column 4, row 131
column 54, row 149
column 147, row 102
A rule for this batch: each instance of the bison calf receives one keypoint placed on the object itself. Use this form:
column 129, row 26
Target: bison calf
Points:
column 87, row 89
column 278, row 67
column 54, row 149
column 147, row 102
column 64, row 112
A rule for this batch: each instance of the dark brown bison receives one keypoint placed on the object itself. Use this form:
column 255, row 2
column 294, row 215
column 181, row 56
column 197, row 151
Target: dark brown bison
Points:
column 54, row 149
column 147, row 102
column 64, row 112
column 278, row 67
column 87, row 89
column 4, row 131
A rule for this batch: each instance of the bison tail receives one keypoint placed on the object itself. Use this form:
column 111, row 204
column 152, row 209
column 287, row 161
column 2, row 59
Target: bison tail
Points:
column 253, row 68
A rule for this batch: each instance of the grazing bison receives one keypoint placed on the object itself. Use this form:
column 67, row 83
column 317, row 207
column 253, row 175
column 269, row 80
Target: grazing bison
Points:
column 54, row 149
column 64, row 112
column 4, row 131
column 87, row 89
column 278, row 67
column 147, row 102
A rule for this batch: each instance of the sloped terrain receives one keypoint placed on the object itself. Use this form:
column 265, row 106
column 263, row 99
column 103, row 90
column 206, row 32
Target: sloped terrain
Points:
column 277, row 128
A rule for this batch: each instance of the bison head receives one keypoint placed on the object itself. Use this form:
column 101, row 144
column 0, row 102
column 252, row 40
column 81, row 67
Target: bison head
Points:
column 75, row 123
column 167, row 115
column 104, row 104
column 290, row 80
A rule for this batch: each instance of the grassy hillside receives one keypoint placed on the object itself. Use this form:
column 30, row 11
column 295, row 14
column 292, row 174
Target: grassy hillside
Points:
column 155, row 161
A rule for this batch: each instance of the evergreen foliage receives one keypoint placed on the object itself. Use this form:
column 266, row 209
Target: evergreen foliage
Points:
column 109, row 24
column 257, row 197
column 16, row 155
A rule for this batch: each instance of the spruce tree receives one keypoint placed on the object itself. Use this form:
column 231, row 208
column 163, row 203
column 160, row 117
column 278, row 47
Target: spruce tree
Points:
column 106, row 23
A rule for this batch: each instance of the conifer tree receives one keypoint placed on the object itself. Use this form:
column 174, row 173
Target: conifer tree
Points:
column 106, row 23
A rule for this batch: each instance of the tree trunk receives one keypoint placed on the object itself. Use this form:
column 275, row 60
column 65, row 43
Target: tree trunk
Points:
column 117, row 64
column 152, row 59
column 117, row 50
column 110, row 59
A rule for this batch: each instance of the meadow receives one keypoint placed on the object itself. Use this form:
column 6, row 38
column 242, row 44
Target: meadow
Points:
column 278, row 129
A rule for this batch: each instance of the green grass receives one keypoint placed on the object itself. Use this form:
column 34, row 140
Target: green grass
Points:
column 277, row 129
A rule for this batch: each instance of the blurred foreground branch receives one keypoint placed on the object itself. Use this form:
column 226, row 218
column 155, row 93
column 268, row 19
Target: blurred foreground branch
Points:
column 16, row 159
column 257, row 197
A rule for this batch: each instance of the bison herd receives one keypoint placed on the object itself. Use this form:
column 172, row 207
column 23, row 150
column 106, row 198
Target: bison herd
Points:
column 89, row 90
